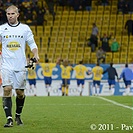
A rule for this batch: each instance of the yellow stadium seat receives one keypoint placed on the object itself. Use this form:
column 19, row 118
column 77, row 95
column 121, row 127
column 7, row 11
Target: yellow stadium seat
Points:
column 50, row 56
column 74, row 45
column 40, row 33
column 93, row 55
column 73, row 50
column 66, row 45
column 75, row 39
column 59, row 45
column 70, row 23
column 78, row 60
column 93, row 60
column 115, row 60
column 86, row 55
column 72, row 61
column 57, row 23
column 60, row 39
column 130, row 60
column 71, row 55
column 124, row 49
column 79, row 56
column 123, row 55
column 65, row 50
column 64, row 56
column 70, row 28
column 123, row 60
column 67, row 39
column 61, row 34
column 116, row 55
column 68, row 34
column 56, row 56
column 51, row 49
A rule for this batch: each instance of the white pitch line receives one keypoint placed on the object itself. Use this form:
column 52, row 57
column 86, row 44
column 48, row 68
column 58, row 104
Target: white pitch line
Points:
column 115, row 103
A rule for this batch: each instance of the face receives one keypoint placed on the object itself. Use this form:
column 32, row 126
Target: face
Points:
column 12, row 16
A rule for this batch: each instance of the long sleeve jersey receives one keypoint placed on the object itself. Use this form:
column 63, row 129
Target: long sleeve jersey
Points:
column 111, row 73
column 14, row 40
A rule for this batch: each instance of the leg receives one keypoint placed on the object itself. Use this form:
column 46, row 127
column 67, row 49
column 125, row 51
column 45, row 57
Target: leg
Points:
column 20, row 99
column 7, row 105
column 63, row 89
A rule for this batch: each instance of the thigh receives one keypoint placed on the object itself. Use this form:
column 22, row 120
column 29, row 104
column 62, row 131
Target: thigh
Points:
column 7, row 77
column 19, row 80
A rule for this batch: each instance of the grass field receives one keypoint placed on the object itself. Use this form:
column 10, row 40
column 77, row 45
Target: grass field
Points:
column 112, row 114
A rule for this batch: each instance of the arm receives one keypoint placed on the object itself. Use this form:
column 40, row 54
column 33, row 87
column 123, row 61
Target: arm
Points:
column 105, row 71
column 35, row 52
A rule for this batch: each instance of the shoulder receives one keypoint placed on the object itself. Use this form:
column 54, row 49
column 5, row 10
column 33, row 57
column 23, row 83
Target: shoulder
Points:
column 25, row 26
column 4, row 25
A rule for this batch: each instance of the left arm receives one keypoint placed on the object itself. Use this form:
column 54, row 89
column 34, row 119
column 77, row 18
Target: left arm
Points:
column 35, row 52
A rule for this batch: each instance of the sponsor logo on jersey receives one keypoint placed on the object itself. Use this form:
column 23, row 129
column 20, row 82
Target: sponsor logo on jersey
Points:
column 13, row 46
column 13, row 36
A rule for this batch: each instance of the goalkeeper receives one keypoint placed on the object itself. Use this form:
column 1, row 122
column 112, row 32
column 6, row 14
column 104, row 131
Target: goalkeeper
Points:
column 14, row 37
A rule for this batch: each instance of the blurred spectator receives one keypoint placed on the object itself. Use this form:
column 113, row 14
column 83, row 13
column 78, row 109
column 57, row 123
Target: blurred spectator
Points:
column 87, row 4
column 115, row 46
column 105, row 42
column 102, row 2
column 130, row 6
column 92, row 42
column 8, row 3
column 129, row 26
column 2, row 14
column 40, row 16
column 41, row 11
column 121, row 7
column 101, row 55
column 51, row 4
column 26, row 3
column 29, row 18
column 77, row 5
column 95, row 30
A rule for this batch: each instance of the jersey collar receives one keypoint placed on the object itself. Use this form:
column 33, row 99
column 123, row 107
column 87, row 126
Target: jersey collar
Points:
column 14, row 25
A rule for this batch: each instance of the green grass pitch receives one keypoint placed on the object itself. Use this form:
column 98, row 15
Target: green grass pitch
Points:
column 73, row 114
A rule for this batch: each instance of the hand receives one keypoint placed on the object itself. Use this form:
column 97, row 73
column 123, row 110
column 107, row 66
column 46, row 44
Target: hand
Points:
column 36, row 57
column 32, row 63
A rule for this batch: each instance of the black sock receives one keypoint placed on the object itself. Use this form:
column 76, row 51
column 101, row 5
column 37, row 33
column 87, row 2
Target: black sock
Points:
column 7, row 106
column 19, row 105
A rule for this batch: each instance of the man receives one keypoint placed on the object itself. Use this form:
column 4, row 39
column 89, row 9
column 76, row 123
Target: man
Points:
column 15, row 36
column 47, row 72
column 101, row 55
column 111, row 77
column 115, row 46
column 97, row 76
column 129, row 26
column 80, row 70
column 127, row 76
column 65, row 74
column 32, row 79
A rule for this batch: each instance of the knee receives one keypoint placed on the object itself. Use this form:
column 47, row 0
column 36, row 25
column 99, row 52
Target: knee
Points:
column 20, row 93
column 7, row 91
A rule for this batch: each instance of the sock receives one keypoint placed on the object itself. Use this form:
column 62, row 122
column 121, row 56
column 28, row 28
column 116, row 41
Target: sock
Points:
column 7, row 106
column 98, row 89
column 82, row 90
column 19, row 105
column 49, row 89
column 127, row 90
column 79, row 89
column 63, row 89
column 112, row 90
column 93, row 90
column 67, row 91
column 35, row 90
